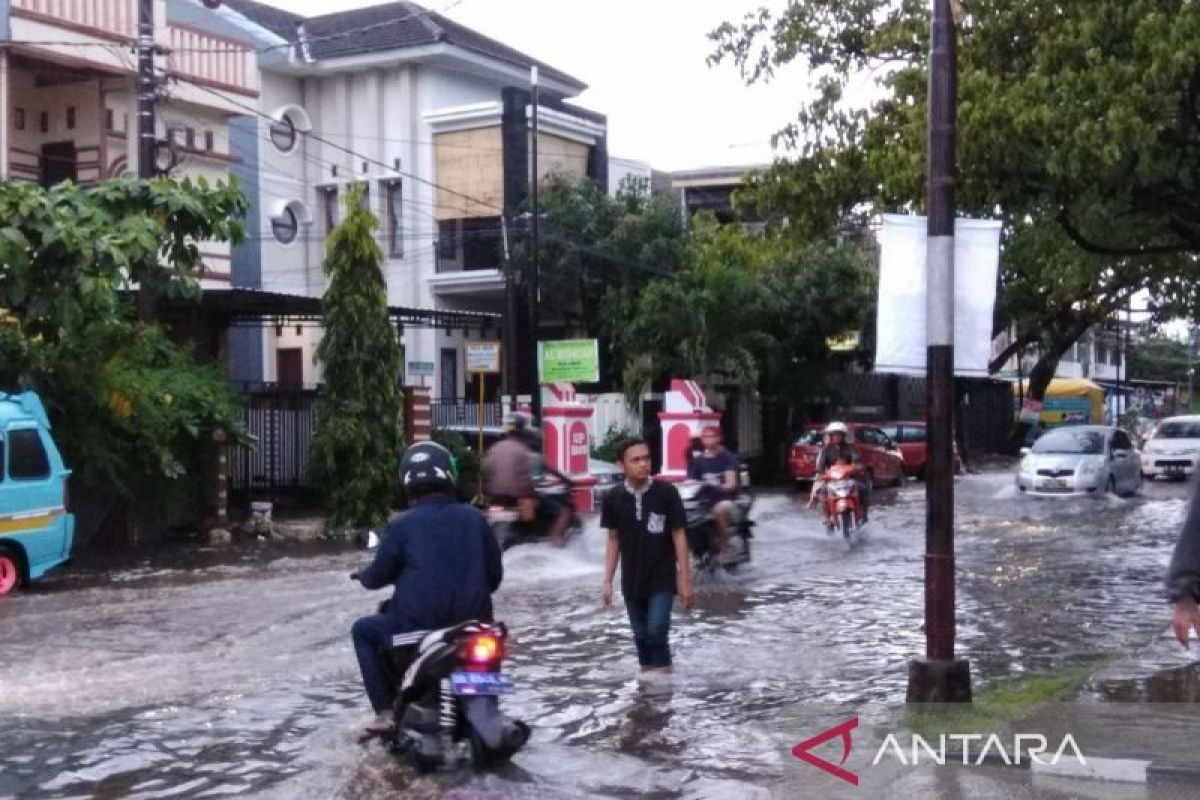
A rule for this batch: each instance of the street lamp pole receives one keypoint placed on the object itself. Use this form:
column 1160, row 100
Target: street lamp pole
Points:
column 939, row 677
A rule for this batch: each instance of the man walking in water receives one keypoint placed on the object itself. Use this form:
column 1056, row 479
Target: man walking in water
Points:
column 647, row 538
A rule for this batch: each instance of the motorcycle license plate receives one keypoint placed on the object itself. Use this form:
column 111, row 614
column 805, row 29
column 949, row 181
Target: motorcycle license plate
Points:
column 473, row 683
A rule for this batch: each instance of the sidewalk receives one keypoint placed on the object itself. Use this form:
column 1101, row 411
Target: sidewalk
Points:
column 1136, row 721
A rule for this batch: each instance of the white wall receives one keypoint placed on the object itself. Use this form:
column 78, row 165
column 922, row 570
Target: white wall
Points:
column 621, row 168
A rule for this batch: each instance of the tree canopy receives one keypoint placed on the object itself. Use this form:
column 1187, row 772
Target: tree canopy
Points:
column 132, row 409
column 1077, row 126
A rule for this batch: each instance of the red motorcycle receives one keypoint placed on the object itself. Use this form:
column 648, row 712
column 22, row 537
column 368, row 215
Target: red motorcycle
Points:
column 843, row 503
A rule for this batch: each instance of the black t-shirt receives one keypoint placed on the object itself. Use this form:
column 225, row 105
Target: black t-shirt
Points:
column 711, row 471
column 645, row 531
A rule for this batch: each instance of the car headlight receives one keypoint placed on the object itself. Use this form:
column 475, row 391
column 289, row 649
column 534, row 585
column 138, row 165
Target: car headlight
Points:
column 1026, row 466
column 1089, row 468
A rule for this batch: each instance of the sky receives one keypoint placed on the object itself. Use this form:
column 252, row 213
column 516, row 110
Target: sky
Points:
column 644, row 61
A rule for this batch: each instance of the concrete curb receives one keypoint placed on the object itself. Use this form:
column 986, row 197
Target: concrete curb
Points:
column 1103, row 768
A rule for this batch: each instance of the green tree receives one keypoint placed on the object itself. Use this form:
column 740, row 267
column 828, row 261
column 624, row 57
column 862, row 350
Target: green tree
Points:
column 755, row 311
column 133, row 411
column 1158, row 357
column 356, row 449
column 598, row 252
column 1078, row 127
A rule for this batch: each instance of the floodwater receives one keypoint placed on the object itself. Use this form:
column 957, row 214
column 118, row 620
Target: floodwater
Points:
column 230, row 673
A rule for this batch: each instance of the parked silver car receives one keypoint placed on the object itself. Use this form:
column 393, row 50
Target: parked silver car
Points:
column 1080, row 460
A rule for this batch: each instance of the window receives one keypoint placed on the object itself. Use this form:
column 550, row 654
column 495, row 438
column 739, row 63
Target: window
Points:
column 913, row 433
column 109, row 120
column 71, row 118
column 393, row 214
column 209, row 141
column 285, row 226
column 873, row 437
column 27, row 459
column 283, row 134
column 329, row 207
column 1, row 460
column 191, row 138
column 448, row 240
column 893, row 432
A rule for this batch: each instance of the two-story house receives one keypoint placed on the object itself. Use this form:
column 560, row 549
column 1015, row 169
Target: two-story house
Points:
column 429, row 116
column 68, row 96
column 433, row 120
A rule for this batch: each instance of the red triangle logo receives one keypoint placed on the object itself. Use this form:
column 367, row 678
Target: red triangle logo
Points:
column 801, row 751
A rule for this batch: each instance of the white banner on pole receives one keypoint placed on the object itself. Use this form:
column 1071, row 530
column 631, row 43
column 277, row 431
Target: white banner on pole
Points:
column 900, row 343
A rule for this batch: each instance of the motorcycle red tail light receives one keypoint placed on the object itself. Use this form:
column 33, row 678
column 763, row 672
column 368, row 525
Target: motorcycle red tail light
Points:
column 483, row 649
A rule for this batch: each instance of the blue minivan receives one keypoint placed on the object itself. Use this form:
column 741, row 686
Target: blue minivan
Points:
column 36, row 530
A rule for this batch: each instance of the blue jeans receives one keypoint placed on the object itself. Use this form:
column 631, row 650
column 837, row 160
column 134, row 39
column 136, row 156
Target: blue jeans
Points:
column 650, row 618
column 372, row 638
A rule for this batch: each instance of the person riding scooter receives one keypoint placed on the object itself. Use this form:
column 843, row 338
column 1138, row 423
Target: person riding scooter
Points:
column 510, row 470
column 838, row 447
column 443, row 561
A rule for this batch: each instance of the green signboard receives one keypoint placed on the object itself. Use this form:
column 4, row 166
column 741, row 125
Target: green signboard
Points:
column 569, row 361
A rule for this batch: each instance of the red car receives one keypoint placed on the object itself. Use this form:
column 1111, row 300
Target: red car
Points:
column 910, row 438
column 883, row 461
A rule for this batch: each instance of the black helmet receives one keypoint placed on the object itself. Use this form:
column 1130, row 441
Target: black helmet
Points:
column 428, row 465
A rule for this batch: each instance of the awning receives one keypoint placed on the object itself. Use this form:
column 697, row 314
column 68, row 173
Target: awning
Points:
column 256, row 307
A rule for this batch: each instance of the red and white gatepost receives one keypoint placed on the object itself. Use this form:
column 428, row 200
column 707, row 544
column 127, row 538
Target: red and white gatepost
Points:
column 686, row 414
column 566, row 428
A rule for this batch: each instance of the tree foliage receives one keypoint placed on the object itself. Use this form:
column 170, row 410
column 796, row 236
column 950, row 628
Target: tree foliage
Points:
column 750, row 310
column 1077, row 126
column 356, row 449
column 598, row 252
column 133, row 411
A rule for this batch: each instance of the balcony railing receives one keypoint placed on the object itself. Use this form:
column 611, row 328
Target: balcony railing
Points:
column 106, row 18
column 212, row 60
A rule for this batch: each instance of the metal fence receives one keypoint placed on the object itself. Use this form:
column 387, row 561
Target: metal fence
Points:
column 457, row 413
column 283, row 422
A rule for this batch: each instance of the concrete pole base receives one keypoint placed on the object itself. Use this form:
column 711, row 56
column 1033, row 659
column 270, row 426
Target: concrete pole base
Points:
column 933, row 682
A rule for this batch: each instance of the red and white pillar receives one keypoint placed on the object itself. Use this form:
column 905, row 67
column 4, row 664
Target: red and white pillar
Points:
column 566, row 430
column 686, row 413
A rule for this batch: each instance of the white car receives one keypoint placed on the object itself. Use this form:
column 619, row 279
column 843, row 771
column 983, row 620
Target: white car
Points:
column 1081, row 460
column 1173, row 450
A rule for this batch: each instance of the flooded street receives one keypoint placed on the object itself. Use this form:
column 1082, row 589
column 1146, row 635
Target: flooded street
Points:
column 232, row 674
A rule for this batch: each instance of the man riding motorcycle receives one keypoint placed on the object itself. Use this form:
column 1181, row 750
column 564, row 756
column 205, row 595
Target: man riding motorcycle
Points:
column 837, row 447
column 443, row 561
column 717, row 469
column 510, row 469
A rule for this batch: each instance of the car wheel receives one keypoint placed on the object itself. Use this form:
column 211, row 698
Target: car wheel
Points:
column 11, row 571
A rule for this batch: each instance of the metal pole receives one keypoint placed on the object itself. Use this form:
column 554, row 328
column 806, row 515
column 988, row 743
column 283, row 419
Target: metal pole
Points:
column 1191, row 366
column 147, row 135
column 938, row 677
column 535, row 292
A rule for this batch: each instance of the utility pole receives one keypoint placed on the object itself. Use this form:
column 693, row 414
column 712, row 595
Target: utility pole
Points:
column 147, row 99
column 939, row 677
column 147, row 91
column 535, row 292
